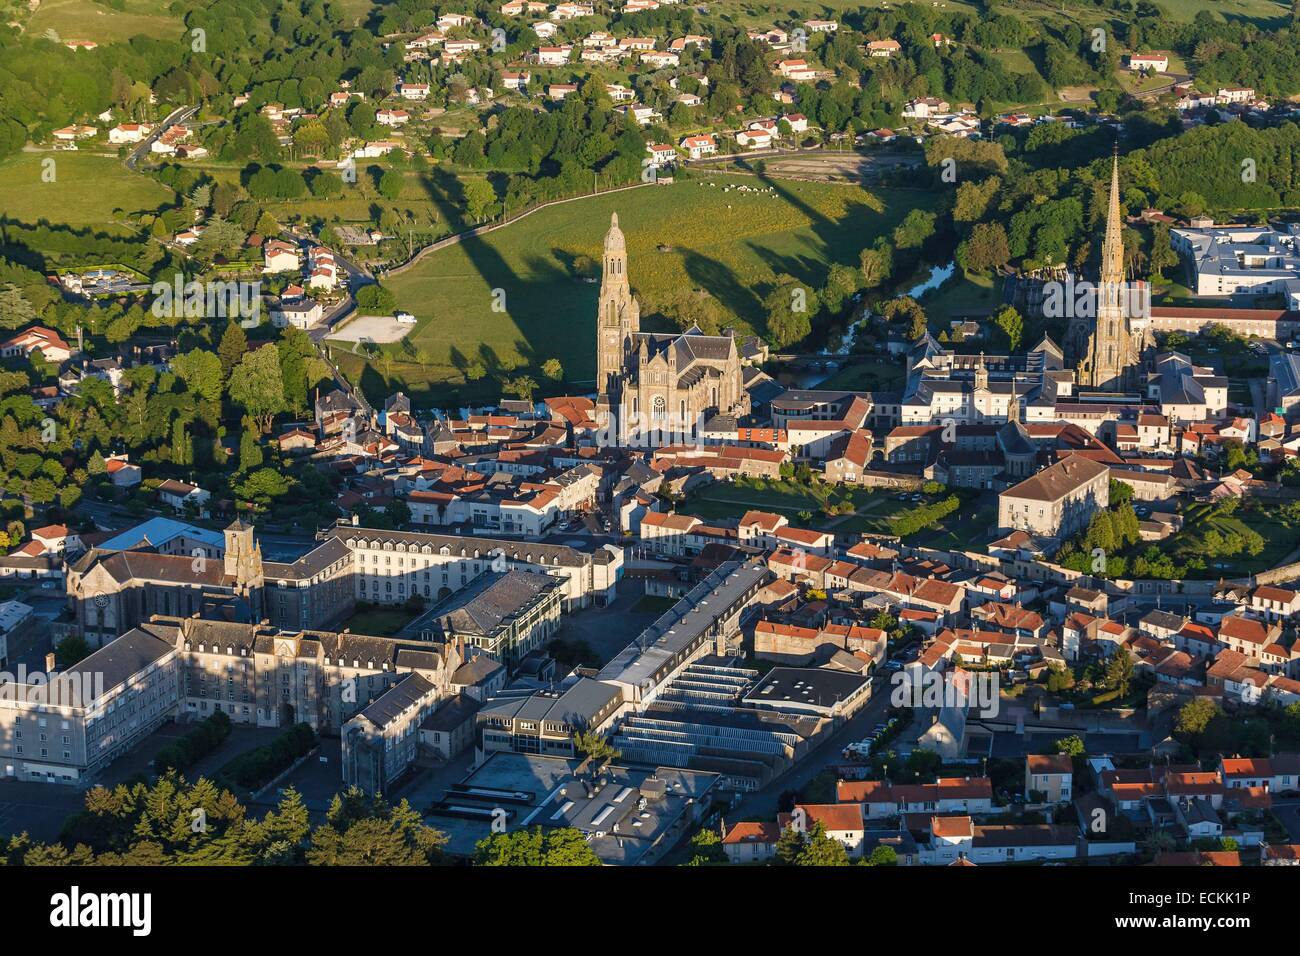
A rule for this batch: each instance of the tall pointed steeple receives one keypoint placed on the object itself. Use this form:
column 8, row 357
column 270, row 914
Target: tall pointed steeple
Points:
column 1112, row 247
column 1107, row 346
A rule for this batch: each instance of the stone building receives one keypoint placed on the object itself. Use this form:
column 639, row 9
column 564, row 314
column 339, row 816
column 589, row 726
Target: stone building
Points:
column 110, row 592
column 657, row 388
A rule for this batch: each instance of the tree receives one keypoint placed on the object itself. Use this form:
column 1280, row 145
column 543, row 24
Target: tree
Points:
column 877, row 264
column 561, row 846
column 1195, row 717
column 390, row 185
column 594, row 747
column 917, row 226
column 822, row 850
column 1012, row 326
column 706, row 848
column 266, row 225
column 376, row 299
column 1119, row 672
column 250, row 448
column 479, row 198
column 182, row 446
column 202, row 370
column 257, row 385
column 986, row 249
column 220, row 238
column 906, row 309
column 521, row 386
column 1071, row 746
column 790, row 308
column 232, row 348
column 882, row 856
column 71, row 650
column 365, row 831
column 553, row 370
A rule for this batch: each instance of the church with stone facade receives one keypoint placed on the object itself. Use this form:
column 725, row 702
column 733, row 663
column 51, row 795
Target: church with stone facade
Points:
column 657, row 388
column 1106, row 339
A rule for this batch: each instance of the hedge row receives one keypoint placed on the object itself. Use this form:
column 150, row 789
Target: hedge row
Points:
column 258, row 767
column 923, row 516
column 206, row 737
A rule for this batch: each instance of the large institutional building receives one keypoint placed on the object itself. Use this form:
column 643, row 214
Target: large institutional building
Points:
column 166, row 667
column 657, row 386
column 110, row 592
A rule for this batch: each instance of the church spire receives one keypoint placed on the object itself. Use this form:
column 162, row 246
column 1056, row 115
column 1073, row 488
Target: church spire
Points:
column 1112, row 249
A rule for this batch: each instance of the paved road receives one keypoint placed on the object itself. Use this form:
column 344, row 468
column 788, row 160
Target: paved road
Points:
column 178, row 115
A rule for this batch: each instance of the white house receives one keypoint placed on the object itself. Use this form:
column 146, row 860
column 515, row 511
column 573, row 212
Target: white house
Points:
column 554, row 55
column 179, row 493
column 1155, row 62
column 697, row 146
column 413, row 91
column 128, row 133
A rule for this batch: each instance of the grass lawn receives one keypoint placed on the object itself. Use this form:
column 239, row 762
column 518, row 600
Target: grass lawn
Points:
column 1281, row 538
column 380, row 621
column 653, row 604
column 864, row 376
column 87, row 20
column 687, row 235
column 85, row 192
column 961, row 297
column 966, row 529
column 722, row 499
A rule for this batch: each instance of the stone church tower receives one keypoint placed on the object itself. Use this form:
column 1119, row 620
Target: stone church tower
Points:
column 1108, row 344
column 618, row 316
column 243, row 563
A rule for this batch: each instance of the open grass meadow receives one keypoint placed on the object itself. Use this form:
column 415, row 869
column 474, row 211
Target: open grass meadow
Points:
column 87, row 190
column 689, row 235
column 88, row 20
column 1281, row 538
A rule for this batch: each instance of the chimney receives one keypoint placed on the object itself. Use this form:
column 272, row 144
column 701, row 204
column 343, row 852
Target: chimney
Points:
column 49, row 663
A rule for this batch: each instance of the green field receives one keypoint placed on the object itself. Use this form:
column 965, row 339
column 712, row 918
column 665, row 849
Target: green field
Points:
column 722, row 499
column 689, row 235
column 87, row 20
column 86, row 191
column 380, row 621
column 1281, row 538
column 870, row 375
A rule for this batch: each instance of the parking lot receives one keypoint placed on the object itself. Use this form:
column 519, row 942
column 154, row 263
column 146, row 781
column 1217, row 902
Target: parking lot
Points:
column 37, row 809
column 380, row 329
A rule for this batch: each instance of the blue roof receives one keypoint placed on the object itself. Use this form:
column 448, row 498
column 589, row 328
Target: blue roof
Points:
column 158, row 531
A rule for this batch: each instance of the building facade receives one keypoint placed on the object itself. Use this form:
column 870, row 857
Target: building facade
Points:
column 653, row 388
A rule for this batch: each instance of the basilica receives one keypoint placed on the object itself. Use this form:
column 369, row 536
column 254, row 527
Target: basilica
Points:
column 657, row 388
